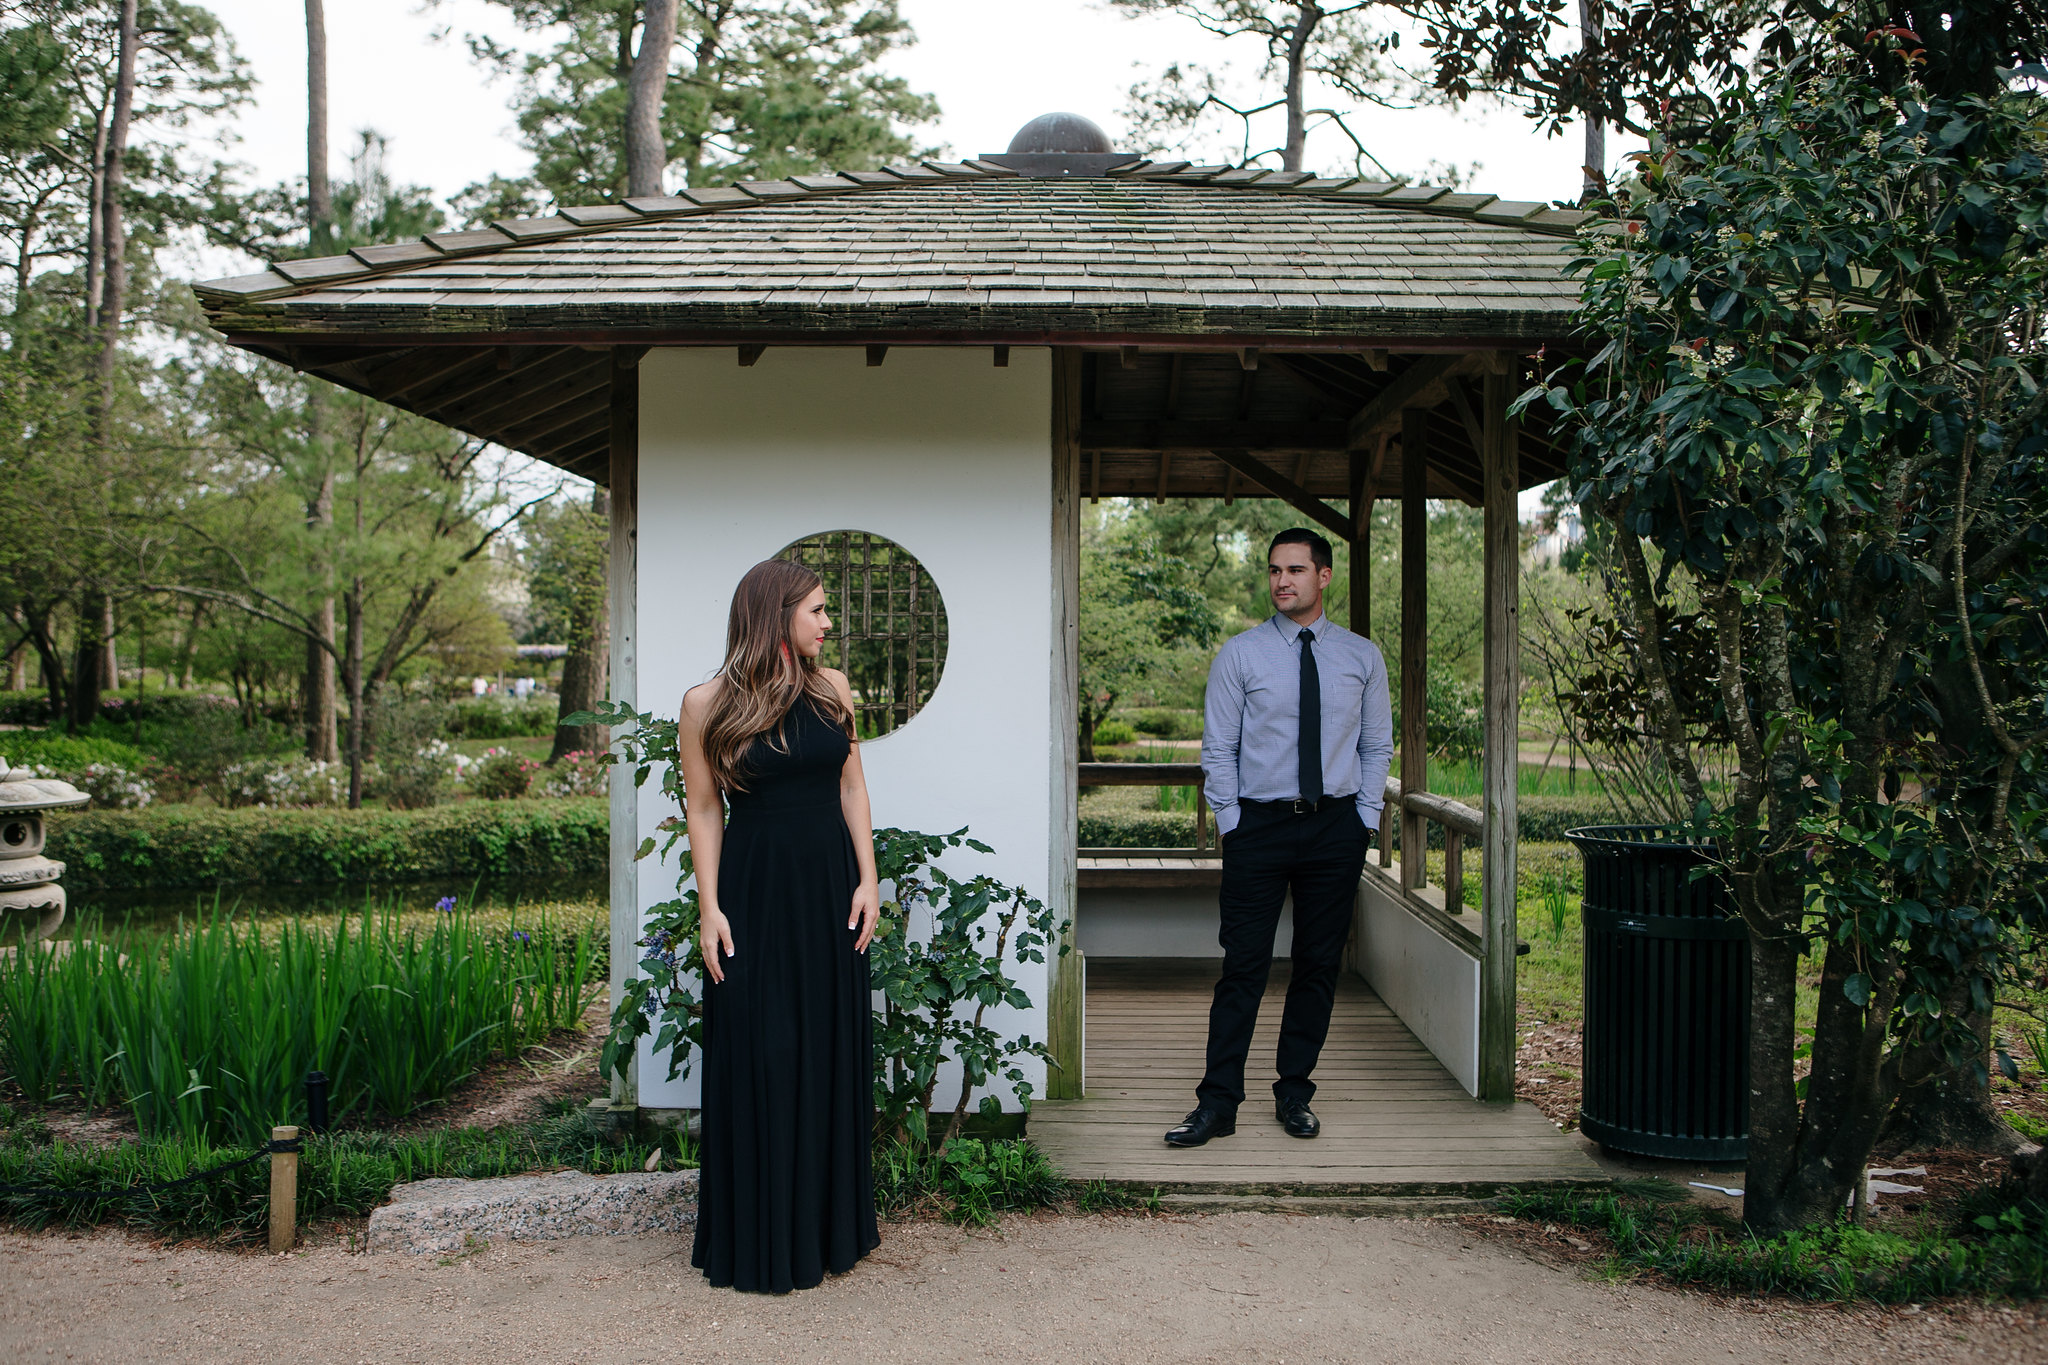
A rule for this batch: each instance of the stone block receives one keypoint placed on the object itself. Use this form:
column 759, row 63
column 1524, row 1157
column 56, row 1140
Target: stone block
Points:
column 432, row 1217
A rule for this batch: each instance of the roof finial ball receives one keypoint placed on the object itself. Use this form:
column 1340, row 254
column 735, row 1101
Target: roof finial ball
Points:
column 1062, row 134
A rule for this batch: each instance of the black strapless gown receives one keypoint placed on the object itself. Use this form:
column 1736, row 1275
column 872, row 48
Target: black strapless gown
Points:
column 786, row 1190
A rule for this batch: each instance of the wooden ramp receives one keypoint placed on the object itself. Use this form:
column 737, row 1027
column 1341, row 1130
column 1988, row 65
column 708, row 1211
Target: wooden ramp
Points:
column 1394, row 1121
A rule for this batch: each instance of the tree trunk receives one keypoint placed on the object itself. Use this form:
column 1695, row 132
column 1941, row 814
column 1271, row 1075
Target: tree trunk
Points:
column 1592, row 31
column 1307, row 14
column 1773, row 1099
column 352, row 672
column 586, row 667
column 316, row 690
column 110, row 659
column 319, row 197
column 115, row 232
column 1952, row 1108
column 39, row 634
column 88, row 657
column 646, row 151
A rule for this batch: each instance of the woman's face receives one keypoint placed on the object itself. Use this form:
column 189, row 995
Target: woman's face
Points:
column 808, row 625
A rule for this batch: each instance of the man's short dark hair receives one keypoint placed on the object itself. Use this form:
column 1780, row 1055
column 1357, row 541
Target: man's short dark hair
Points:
column 1318, row 548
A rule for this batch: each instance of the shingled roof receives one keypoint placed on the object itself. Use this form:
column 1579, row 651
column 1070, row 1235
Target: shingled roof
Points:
column 1150, row 254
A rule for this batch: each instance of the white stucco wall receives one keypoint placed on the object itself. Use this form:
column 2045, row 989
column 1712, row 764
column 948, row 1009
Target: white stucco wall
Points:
column 1429, row 982
column 1161, row 922
column 939, row 451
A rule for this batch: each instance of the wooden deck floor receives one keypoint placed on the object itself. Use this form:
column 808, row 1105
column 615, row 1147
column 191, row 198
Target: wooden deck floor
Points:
column 1394, row 1121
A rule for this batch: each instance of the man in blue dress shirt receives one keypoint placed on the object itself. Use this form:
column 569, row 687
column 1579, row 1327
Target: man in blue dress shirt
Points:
column 1296, row 739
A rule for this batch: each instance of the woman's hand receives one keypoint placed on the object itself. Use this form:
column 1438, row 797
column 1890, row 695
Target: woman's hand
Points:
column 867, row 908
column 714, row 932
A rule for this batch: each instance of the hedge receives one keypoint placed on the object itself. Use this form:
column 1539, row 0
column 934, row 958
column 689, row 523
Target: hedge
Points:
column 1543, row 819
column 183, row 846
column 65, row 753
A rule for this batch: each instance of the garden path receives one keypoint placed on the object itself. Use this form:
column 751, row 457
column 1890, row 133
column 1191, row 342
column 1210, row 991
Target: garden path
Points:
column 1184, row 1289
column 1395, row 1123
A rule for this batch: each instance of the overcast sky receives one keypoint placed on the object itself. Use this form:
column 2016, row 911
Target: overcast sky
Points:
column 992, row 64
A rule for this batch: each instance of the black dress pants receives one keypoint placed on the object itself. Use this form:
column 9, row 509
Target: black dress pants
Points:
column 1319, row 856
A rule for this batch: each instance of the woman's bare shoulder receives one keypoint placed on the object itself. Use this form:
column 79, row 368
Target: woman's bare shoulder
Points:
column 698, row 699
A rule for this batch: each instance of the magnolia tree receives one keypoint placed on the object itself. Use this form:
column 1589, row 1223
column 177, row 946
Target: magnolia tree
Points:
column 1817, row 419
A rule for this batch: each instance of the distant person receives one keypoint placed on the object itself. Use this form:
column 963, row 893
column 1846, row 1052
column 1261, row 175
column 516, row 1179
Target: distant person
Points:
column 787, row 1190
column 1296, row 738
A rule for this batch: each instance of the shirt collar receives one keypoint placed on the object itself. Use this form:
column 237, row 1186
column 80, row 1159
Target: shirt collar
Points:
column 1291, row 632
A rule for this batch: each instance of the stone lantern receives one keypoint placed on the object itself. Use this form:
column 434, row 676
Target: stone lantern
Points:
column 28, row 880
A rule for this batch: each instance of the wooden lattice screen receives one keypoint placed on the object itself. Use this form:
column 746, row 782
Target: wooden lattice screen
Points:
column 888, row 624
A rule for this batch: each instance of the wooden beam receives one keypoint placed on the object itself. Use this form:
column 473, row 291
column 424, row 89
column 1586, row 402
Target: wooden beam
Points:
column 1128, row 356
column 1230, row 488
column 1256, row 471
column 1173, row 370
column 624, row 580
column 1248, row 357
column 750, row 354
column 1501, row 567
column 1066, row 972
column 1165, row 471
column 1461, row 402
column 1095, row 477
column 1376, row 359
column 425, row 373
column 1002, row 357
column 1408, row 389
column 875, row 354
column 1270, row 437
column 1414, row 637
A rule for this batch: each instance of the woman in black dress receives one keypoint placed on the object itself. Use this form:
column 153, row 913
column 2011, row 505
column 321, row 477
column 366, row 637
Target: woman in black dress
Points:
column 789, row 899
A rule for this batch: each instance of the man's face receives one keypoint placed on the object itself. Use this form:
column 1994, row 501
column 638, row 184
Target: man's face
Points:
column 1295, row 582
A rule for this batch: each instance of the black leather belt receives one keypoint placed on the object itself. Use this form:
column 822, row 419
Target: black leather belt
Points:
column 1298, row 806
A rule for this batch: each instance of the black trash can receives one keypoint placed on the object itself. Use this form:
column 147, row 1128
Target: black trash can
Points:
column 1666, row 1034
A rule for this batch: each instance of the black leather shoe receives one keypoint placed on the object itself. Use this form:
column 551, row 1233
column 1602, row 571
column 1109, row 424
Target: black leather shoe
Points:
column 1298, row 1119
column 1199, row 1126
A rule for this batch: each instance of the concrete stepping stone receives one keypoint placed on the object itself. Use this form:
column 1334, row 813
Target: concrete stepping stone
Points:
column 435, row 1217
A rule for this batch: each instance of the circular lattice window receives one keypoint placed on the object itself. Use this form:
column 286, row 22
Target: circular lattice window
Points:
column 888, row 624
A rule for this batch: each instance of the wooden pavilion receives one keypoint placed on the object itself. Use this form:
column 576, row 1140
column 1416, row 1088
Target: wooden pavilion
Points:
column 955, row 355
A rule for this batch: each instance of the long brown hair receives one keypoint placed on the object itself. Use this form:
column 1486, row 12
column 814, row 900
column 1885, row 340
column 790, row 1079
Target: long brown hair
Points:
column 764, row 677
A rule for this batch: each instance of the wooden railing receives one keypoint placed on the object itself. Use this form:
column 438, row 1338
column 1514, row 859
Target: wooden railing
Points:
column 1460, row 822
column 1154, row 775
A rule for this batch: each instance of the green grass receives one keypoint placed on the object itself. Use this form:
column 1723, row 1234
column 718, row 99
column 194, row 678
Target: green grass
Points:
column 340, row 1175
column 1996, row 1248
column 207, row 1034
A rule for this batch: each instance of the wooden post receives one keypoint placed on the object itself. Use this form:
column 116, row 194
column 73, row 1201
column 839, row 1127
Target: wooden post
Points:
column 1454, row 870
column 1414, row 638
column 624, row 590
column 284, row 1192
column 1501, row 468
column 1067, row 973
column 1361, row 544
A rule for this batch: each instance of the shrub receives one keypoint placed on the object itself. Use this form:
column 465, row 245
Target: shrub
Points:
column 1111, row 733
column 501, row 775
column 967, row 1180
column 277, row 783
column 181, row 846
column 1165, row 724
column 113, row 787
column 417, row 778
column 495, row 718
column 1137, row 829
column 61, row 753
column 582, row 772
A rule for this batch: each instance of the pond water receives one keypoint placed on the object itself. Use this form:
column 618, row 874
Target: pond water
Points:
column 146, row 911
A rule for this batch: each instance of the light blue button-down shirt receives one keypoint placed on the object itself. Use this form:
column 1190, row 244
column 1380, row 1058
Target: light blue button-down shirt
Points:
column 1251, row 729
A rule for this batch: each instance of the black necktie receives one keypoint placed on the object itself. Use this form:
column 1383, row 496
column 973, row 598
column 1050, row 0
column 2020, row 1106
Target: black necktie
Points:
column 1311, row 756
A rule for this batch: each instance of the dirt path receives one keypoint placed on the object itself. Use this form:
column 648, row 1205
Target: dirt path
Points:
column 1238, row 1287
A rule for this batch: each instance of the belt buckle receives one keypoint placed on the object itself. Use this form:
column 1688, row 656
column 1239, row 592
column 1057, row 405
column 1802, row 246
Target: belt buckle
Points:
column 1302, row 806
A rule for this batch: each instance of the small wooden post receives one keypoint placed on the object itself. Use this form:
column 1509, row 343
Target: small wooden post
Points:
column 284, row 1192
column 1414, row 639
column 1386, row 836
